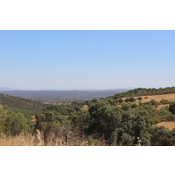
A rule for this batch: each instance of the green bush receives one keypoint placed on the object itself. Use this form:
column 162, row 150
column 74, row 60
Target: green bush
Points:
column 172, row 108
column 163, row 101
column 120, row 100
column 132, row 99
column 139, row 98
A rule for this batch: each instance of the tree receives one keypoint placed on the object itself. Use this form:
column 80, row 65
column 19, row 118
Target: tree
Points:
column 132, row 99
column 2, row 118
column 88, row 102
column 120, row 100
column 161, row 136
column 139, row 98
column 127, row 140
column 16, row 124
column 127, row 100
column 172, row 108
column 104, row 118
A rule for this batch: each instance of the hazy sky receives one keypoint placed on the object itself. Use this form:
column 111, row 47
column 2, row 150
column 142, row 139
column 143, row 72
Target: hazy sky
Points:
column 87, row 59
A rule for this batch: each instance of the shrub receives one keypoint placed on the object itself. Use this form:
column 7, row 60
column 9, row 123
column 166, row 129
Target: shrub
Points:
column 132, row 99
column 139, row 98
column 170, row 118
column 134, row 105
column 163, row 101
column 127, row 100
column 164, row 111
column 172, row 108
column 120, row 100
column 153, row 102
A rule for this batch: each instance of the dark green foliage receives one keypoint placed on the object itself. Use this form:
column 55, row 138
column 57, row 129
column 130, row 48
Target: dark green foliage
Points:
column 170, row 118
column 104, row 118
column 128, row 131
column 139, row 98
column 163, row 101
column 150, row 110
column 153, row 102
column 93, row 100
column 80, row 119
column 112, row 102
column 127, row 100
column 126, row 140
column 88, row 102
column 16, row 124
column 115, row 101
column 120, row 100
column 172, row 108
column 66, row 110
column 119, row 127
column 48, row 123
column 132, row 99
column 164, row 111
column 126, row 106
column 134, row 105
column 3, row 116
column 161, row 136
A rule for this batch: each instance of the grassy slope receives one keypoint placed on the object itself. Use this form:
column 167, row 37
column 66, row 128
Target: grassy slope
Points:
column 20, row 103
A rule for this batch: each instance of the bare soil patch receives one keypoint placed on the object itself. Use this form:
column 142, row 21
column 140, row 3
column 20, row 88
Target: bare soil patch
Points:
column 85, row 107
column 33, row 118
column 161, row 106
column 169, row 125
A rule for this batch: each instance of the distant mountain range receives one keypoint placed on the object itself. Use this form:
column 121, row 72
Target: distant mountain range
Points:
column 10, row 89
column 5, row 88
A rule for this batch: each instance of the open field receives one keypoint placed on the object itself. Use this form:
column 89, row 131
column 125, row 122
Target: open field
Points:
column 169, row 97
column 158, row 98
column 170, row 125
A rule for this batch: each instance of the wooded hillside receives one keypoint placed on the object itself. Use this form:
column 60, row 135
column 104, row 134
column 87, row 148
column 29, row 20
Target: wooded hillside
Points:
column 116, row 120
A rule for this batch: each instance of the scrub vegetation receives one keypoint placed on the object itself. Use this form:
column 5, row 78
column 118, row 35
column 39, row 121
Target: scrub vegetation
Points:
column 112, row 121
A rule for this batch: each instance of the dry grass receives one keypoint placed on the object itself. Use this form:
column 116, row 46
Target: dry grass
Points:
column 33, row 118
column 169, row 97
column 170, row 125
column 18, row 141
column 161, row 106
column 38, row 140
column 85, row 107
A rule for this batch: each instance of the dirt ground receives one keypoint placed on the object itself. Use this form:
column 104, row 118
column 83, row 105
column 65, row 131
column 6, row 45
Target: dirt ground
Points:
column 85, row 107
column 33, row 118
column 169, row 125
column 161, row 106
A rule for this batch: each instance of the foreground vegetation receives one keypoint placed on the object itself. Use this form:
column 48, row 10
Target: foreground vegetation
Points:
column 105, row 121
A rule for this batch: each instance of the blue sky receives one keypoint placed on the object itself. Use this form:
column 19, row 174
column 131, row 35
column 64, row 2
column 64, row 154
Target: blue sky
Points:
column 87, row 59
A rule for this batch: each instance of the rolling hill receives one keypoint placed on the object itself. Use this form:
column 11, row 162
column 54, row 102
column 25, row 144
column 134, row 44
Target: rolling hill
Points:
column 16, row 102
